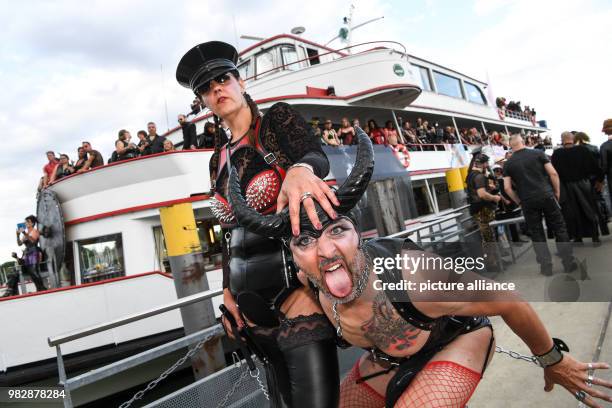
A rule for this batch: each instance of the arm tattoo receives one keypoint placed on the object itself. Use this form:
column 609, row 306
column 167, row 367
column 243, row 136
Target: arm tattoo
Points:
column 386, row 328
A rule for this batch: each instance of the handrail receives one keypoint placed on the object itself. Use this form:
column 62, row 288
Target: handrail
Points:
column 97, row 328
column 452, row 215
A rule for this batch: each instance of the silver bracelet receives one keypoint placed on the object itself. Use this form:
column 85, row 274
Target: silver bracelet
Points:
column 304, row 165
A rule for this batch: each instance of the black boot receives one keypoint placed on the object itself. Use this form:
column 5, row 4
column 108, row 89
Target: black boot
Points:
column 34, row 272
column 308, row 345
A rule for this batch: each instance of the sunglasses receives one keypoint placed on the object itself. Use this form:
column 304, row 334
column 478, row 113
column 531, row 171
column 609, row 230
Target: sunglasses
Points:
column 221, row 80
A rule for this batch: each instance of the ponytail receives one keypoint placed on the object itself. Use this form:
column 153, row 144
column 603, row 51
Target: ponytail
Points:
column 254, row 116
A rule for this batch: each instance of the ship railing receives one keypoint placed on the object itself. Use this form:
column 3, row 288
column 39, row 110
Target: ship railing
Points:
column 517, row 115
column 428, row 147
column 81, row 380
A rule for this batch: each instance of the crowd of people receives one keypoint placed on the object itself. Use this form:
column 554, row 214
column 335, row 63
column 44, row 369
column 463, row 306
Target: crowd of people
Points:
column 515, row 107
column 565, row 190
column 149, row 142
column 419, row 135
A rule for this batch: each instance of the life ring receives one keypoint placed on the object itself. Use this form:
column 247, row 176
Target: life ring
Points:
column 501, row 113
column 402, row 154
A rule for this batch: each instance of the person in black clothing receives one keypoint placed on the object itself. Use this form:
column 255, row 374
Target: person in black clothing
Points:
column 62, row 169
column 576, row 167
column 81, row 160
column 280, row 164
column 537, row 191
column 190, row 138
column 606, row 157
column 156, row 142
column 207, row 139
column 30, row 261
column 94, row 158
column 196, row 107
column 482, row 206
column 449, row 135
column 144, row 147
column 506, row 208
column 124, row 149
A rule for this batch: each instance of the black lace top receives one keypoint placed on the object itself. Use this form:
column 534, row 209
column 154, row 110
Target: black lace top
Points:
column 284, row 133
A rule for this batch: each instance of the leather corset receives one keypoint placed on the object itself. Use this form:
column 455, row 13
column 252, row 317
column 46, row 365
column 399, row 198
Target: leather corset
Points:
column 261, row 277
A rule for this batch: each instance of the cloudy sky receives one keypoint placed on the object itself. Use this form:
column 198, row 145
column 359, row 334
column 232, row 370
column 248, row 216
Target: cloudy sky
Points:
column 81, row 70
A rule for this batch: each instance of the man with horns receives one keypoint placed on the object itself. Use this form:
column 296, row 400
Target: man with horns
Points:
column 423, row 347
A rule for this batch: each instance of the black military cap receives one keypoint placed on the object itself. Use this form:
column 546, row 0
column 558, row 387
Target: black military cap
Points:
column 205, row 62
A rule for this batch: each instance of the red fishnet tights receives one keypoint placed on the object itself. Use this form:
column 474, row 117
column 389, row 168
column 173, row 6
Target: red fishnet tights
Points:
column 353, row 395
column 440, row 384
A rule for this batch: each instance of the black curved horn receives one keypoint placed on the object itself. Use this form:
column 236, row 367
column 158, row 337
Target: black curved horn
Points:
column 354, row 186
column 276, row 225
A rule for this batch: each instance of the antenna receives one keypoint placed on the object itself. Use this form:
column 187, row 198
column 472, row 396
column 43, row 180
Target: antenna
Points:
column 353, row 28
column 235, row 31
column 252, row 37
column 161, row 68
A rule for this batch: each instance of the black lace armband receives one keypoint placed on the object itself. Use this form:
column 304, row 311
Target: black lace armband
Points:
column 285, row 133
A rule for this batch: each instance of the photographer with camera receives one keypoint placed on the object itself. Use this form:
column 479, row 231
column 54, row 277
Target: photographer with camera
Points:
column 30, row 259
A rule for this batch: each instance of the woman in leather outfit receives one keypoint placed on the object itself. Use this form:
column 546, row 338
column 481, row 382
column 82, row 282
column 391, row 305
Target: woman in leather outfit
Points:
column 280, row 164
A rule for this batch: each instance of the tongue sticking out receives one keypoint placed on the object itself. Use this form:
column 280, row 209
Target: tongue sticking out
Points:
column 338, row 282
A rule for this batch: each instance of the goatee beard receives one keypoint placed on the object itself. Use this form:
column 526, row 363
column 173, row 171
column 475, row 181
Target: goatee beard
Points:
column 355, row 272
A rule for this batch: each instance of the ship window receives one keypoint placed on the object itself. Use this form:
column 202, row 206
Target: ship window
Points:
column 265, row 62
column 474, row 94
column 209, row 232
column 101, row 258
column 245, row 70
column 313, row 56
column 448, row 85
column 290, row 56
column 425, row 78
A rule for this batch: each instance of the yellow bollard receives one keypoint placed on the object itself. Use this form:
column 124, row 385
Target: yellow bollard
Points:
column 179, row 226
column 456, row 190
column 189, row 273
column 454, row 180
column 464, row 173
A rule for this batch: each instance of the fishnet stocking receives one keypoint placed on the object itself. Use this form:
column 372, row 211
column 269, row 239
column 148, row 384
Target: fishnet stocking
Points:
column 440, row 384
column 354, row 395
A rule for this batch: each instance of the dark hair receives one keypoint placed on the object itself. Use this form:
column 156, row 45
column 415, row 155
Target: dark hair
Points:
column 141, row 132
column 372, row 121
column 64, row 155
column 86, row 142
column 122, row 133
column 32, row 218
column 80, row 148
column 151, row 123
column 50, row 151
column 581, row 138
column 208, row 125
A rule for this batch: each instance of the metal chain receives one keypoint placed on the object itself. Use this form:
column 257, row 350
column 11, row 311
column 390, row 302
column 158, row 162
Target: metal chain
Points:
column 237, row 384
column 166, row 373
column 261, row 385
column 517, row 355
column 241, row 379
